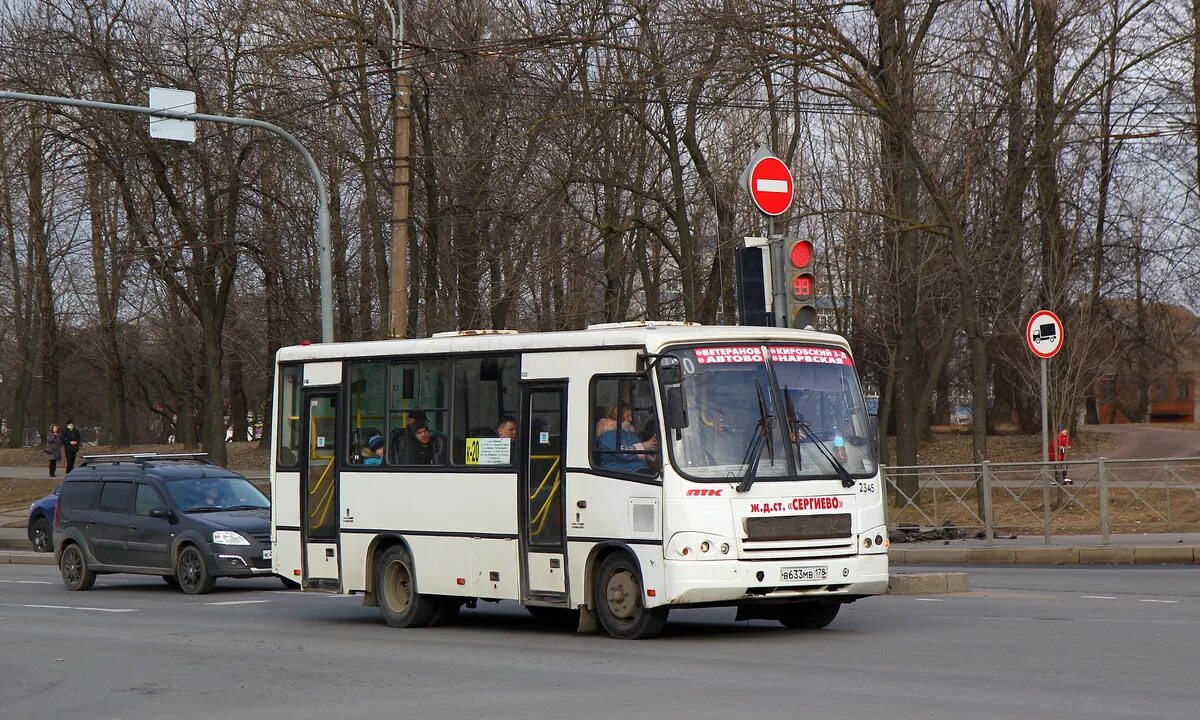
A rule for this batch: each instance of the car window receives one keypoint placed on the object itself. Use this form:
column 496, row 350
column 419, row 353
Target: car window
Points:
column 208, row 494
column 78, row 495
column 146, row 500
column 115, row 496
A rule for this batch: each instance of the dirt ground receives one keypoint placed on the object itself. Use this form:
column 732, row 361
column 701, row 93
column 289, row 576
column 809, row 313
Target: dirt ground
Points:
column 951, row 445
column 17, row 494
column 242, row 456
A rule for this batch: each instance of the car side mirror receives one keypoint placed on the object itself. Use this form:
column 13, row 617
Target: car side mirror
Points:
column 162, row 512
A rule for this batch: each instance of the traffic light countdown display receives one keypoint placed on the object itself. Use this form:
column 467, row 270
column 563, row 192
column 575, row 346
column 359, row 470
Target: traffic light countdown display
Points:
column 802, row 312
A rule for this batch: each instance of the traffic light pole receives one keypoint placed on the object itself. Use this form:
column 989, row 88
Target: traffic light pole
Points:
column 322, row 195
column 779, row 272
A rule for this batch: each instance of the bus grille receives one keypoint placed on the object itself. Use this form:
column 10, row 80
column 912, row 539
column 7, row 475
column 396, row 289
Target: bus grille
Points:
column 796, row 527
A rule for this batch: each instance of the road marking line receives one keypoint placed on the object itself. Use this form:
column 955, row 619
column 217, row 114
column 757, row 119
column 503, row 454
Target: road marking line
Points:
column 28, row 582
column 48, row 607
column 1164, row 602
column 112, row 610
column 238, row 602
column 930, row 600
column 1098, row 597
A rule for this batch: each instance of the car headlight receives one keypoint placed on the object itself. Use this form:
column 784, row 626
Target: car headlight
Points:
column 228, row 537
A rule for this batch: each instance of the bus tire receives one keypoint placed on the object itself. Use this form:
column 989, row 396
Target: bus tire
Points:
column 396, row 589
column 618, row 597
column 809, row 615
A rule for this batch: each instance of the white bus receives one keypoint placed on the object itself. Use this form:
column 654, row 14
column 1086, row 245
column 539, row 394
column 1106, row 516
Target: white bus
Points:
column 607, row 474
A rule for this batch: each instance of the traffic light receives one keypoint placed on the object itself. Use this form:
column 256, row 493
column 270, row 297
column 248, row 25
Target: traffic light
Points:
column 802, row 311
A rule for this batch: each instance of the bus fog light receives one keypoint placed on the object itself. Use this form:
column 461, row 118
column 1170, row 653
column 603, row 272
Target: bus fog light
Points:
column 724, row 548
column 866, row 542
column 878, row 539
column 705, row 547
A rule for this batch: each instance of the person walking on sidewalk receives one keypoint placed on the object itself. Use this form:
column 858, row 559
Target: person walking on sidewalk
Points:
column 54, row 447
column 1058, row 454
column 72, row 442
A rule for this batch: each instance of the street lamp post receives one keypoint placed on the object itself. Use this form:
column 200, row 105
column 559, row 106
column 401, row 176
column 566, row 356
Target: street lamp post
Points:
column 322, row 195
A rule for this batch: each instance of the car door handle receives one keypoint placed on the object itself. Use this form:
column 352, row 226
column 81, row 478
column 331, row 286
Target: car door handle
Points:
column 133, row 527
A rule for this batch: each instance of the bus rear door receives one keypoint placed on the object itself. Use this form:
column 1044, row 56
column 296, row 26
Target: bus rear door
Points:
column 319, row 496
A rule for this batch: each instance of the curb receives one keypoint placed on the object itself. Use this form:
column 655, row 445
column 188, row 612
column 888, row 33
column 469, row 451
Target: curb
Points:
column 1049, row 555
column 25, row 557
column 927, row 583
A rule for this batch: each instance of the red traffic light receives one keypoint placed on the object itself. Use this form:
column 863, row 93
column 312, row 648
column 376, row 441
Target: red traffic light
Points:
column 802, row 254
column 802, row 287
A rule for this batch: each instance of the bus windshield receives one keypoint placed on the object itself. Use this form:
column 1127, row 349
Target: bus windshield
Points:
column 796, row 408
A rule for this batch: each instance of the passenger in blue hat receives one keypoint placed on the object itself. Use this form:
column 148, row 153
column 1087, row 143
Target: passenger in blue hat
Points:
column 374, row 452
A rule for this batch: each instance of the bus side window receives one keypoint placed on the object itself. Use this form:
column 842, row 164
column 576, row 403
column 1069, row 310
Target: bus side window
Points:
column 417, row 397
column 367, row 413
column 288, row 454
column 624, row 425
column 485, row 393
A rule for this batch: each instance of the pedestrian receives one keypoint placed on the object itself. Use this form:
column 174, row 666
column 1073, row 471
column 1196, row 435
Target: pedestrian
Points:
column 53, row 447
column 1058, row 454
column 72, row 442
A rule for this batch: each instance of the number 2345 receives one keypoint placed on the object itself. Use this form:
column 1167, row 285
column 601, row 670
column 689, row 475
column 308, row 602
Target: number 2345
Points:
column 866, row 487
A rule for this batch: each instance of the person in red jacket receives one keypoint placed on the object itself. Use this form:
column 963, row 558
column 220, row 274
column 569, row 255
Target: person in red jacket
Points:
column 1058, row 454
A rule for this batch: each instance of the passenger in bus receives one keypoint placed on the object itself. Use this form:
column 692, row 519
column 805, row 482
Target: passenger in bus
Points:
column 620, row 449
column 373, row 453
column 507, row 428
column 423, row 447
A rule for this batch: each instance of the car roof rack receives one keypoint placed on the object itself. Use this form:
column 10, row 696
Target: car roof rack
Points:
column 141, row 458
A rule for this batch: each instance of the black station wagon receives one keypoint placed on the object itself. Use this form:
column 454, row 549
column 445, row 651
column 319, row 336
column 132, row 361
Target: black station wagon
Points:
column 178, row 516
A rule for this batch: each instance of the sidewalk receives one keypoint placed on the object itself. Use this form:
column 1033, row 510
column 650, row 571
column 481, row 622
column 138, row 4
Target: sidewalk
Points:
column 1130, row 548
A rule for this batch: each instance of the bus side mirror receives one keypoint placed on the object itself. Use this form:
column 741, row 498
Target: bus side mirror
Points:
column 670, row 376
column 875, row 431
column 677, row 418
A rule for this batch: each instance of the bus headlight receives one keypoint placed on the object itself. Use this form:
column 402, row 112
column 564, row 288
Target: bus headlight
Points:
column 698, row 546
column 874, row 540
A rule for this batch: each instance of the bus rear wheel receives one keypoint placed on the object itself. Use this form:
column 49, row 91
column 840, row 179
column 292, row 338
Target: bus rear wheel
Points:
column 618, row 597
column 809, row 616
column 396, row 590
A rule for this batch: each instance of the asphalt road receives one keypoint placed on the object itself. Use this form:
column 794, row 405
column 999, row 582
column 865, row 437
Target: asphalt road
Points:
column 1074, row 642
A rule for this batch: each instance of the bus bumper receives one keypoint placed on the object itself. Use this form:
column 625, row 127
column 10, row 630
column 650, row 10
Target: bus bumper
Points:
column 692, row 582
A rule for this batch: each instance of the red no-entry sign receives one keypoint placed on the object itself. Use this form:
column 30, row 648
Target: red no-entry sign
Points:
column 770, row 185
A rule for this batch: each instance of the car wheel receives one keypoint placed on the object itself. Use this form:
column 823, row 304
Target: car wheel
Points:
column 74, row 569
column 40, row 535
column 171, row 580
column 618, row 597
column 192, row 573
column 809, row 616
column 396, row 590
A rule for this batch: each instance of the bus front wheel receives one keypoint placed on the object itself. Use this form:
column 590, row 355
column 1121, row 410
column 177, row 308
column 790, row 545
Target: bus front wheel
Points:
column 809, row 616
column 618, row 597
column 396, row 590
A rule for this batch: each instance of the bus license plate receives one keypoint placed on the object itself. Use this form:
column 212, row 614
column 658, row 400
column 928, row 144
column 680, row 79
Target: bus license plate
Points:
column 802, row 574
column 266, row 554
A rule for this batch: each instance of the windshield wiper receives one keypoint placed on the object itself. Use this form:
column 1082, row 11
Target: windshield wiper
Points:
column 761, row 431
column 796, row 423
column 206, row 509
column 245, row 507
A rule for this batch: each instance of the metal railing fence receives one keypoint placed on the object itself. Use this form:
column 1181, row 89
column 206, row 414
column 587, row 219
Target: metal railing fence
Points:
column 1102, row 497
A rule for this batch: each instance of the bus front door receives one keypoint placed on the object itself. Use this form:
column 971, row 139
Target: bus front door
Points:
column 542, row 435
column 319, row 492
